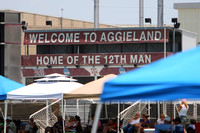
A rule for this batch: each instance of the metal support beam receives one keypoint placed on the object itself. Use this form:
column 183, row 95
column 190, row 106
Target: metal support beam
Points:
column 141, row 13
column 174, row 41
column 96, row 119
column 96, row 13
column 160, row 13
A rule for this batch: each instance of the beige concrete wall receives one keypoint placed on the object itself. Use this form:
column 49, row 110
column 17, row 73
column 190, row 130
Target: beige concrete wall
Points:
column 36, row 21
column 190, row 20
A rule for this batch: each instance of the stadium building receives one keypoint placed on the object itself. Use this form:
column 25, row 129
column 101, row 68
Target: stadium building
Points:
column 34, row 45
column 189, row 17
column 56, row 45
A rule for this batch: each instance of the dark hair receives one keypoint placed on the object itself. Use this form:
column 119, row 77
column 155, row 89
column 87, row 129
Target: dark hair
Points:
column 177, row 119
column 192, row 121
column 77, row 118
column 146, row 116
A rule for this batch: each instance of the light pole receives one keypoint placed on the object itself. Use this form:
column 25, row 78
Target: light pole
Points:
column 96, row 13
column 176, row 26
column 61, row 22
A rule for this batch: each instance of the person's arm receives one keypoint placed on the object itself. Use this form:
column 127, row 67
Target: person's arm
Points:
column 186, row 106
column 130, row 120
column 156, row 122
column 147, row 123
column 185, row 131
column 35, row 128
column 180, row 107
column 27, row 127
column 76, row 124
column 137, row 125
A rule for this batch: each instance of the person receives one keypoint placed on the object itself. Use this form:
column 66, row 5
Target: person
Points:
column 183, row 108
column 31, row 127
column 145, row 123
column 88, row 127
column 76, row 127
column 18, row 125
column 11, row 127
column 1, row 124
column 77, row 124
column 161, row 119
column 58, row 126
column 133, row 124
column 191, row 128
column 111, row 127
column 172, row 120
column 164, row 128
column 70, row 123
column 48, row 129
column 92, row 121
column 178, row 128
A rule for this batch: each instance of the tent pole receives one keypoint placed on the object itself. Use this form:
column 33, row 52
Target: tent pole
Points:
column 149, row 108
column 158, row 109
column 11, row 109
column 118, row 116
column 174, row 110
column 96, row 118
column 65, row 102
column 50, row 112
column 47, row 113
column 63, row 117
column 106, row 111
column 5, row 113
column 84, row 114
column 77, row 106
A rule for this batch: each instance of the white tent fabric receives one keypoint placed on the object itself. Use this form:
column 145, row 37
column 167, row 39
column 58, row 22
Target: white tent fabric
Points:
column 53, row 79
column 43, row 90
column 55, row 75
column 51, row 87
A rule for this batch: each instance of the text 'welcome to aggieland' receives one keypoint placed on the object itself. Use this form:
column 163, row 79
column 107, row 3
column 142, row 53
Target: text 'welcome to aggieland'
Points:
column 95, row 36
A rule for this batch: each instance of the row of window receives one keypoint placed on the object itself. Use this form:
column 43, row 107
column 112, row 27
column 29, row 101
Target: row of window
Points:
column 102, row 48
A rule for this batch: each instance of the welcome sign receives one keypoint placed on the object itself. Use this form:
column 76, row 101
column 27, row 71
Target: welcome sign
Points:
column 95, row 36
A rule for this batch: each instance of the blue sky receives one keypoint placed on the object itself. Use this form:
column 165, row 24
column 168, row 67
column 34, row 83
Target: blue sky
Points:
column 111, row 11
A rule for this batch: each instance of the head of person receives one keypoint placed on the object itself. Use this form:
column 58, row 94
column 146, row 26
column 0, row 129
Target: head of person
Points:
column 59, row 118
column 31, row 120
column 145, row 116
column 177, row 120
column 9, row 119
column 167, row 120
column 72, row 118
column 184, row 101
column 137, row 115
column 162, row 117
column 77, row 118
column 111, row 121
column 1, row 120
column 193, row 121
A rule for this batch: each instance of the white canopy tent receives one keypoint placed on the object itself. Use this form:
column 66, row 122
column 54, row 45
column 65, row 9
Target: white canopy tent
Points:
column 54, row 86
column 44, row 90
column 58, row 86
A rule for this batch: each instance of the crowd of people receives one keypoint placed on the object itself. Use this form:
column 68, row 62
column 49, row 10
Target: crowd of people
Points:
column 164, row 124
column 73, row 125
column 16, row 126
column 136, row 124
